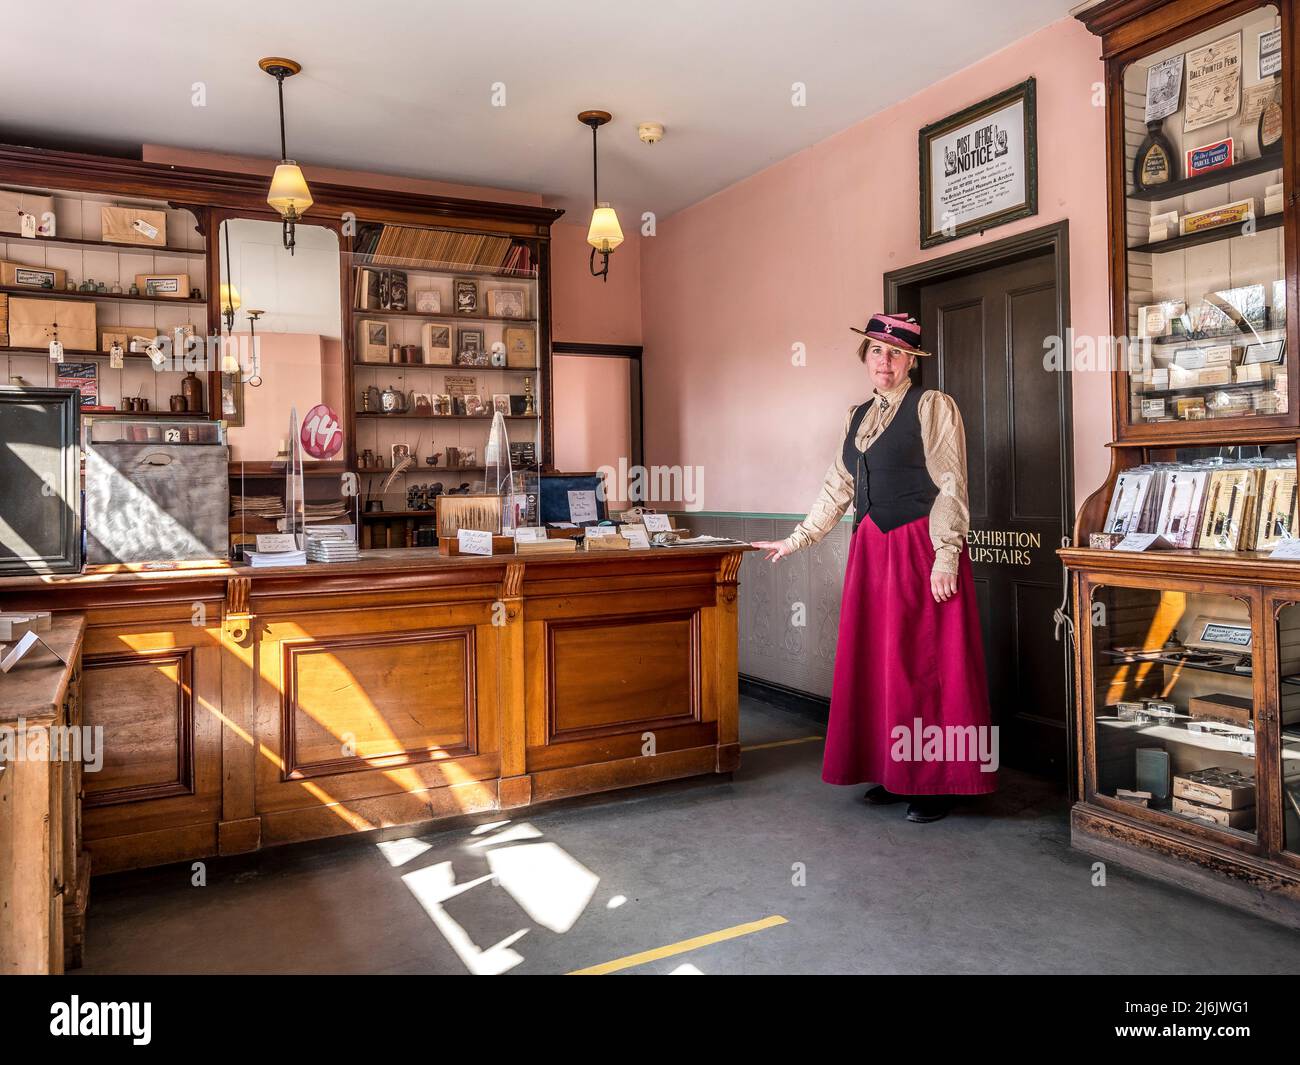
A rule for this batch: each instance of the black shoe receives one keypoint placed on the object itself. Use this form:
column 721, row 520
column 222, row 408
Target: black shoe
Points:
column 928, row 808
column 879, row 795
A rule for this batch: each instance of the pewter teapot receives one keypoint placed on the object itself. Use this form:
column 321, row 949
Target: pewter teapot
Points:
column 393, row 401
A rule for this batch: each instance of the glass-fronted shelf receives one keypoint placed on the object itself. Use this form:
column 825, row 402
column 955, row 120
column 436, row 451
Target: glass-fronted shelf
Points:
column 1288, row 644
column 1174, row 722
column 1205, row 266
column 447, row 337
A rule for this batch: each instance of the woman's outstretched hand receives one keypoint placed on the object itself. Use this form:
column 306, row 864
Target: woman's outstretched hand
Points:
column 776, row 549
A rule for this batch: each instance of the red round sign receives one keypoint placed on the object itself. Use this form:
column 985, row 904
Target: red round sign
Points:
column 321, row 434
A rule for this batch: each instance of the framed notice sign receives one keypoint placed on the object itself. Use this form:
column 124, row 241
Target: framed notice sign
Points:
column 979, row 167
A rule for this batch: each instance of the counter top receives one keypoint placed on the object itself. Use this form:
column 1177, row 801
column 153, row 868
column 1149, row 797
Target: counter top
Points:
column 34, row 689
column 391, row 560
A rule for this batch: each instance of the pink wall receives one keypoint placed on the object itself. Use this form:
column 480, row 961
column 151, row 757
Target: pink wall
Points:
column 797, row 253
column 592, row 413
column 586, row 309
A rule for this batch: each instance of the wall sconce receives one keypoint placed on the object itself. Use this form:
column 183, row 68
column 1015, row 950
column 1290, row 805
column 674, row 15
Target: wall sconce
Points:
column 230, row 303
column 288, row 194
column 604, row 234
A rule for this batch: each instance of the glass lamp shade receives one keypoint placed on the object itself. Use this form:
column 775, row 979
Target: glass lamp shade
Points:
column 605, row 233
column 230, row 301
column 289, row 194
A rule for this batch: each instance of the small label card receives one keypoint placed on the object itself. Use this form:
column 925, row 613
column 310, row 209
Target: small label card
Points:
column 474, row 541
column 636, row 536
column 272, row 542
column 530, row 534
column 595, row 532
column 582, row 506
column 656, row 523
column 1142, row 542
column 1288, row 548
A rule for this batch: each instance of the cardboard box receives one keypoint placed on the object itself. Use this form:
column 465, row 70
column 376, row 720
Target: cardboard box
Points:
column 167, row 286
column 1243, row 818
column 20, row 275
column 1211, row 788
column 1214, row 375
column 13, row 204
column 1221, row 706
column 133, row 225
column 31, row 323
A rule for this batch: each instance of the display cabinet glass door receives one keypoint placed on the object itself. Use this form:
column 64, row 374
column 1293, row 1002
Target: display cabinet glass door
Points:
column 1288, row 686
column 1174, row 705
column 1205, row 286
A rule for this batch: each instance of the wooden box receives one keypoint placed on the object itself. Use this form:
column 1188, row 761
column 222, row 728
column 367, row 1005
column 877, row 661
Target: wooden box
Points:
column 32, row 323
column 20, row 275
column 1205, row 786
column 1236, row 708
column 166, row 286
column 133, row 225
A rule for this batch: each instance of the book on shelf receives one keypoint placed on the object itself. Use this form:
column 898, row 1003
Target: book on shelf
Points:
column 446, row 250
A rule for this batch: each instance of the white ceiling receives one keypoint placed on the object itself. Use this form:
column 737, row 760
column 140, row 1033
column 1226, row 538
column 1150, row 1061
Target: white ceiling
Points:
column 404, row 86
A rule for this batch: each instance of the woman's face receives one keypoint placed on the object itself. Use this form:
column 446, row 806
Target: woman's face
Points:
column 888, row 365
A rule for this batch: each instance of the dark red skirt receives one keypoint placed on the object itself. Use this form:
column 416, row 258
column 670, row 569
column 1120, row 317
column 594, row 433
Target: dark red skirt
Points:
column 905, row 664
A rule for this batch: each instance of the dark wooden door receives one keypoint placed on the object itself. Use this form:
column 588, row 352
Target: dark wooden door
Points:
column 987, row 330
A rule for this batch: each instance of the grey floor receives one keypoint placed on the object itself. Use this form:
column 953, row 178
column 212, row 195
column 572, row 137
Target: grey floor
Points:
column 995, row 888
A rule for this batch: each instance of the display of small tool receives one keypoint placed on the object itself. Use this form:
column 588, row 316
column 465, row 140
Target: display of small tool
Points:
column 422, row 496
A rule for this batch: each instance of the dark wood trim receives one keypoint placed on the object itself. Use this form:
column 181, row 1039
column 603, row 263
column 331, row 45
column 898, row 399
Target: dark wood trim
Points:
column 243, row 192
column 805, row 704
column 609, row 351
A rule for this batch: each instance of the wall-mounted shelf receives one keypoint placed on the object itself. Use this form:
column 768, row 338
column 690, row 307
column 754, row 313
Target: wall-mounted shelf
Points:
column 114, row 297
column 363, row 312
column 89, row 242
column 1174, row 189
column 1208, row 236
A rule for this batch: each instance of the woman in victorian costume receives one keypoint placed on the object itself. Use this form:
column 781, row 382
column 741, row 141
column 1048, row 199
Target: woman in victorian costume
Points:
column 909, row 702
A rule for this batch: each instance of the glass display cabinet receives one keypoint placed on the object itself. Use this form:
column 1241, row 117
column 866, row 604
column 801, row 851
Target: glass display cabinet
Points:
column 1184, row 584
column 1204, row 258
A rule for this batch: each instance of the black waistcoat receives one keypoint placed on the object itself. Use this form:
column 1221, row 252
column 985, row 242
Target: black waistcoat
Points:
column 890, row 481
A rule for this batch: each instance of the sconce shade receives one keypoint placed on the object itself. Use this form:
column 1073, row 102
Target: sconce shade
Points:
column 230, row 301
column 605, row 233
column 289, row 194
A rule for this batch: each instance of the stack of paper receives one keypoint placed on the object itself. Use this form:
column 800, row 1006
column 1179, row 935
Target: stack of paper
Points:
column 332, row 543
column 260, row 559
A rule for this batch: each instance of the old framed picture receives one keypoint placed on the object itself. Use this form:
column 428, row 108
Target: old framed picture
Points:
column 501, row 403
column 507, row 303
column 232, row 399
column 1263, row 353
column 979, row 167
column 466, row 293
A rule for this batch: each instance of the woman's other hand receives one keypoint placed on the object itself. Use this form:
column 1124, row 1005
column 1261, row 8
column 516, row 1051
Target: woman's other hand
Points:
column 943, row 586
column 776, row 549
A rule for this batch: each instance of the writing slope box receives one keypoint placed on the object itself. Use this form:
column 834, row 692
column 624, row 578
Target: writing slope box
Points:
column 20, row 275
column 166, row 286
column 34, row 323
column 13, row 204
column 133, row 225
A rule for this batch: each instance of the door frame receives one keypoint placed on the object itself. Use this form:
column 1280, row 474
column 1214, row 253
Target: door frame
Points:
column 616, row 351
column 903, row 293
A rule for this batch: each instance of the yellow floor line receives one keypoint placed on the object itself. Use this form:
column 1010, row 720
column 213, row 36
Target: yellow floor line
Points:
column 679, row 948
column 782, row 743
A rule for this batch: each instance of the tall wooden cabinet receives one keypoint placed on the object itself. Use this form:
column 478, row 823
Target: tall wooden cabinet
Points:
column 1188, row 658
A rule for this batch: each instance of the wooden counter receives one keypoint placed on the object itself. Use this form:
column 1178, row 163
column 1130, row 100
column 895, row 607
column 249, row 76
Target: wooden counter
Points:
column 249, row 707
column 44, row 879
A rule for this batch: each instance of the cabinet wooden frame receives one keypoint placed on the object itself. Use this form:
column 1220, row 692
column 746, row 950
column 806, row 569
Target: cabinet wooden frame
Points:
column 1259, row 874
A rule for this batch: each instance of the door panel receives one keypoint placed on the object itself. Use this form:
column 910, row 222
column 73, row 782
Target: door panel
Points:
column 989, row 329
